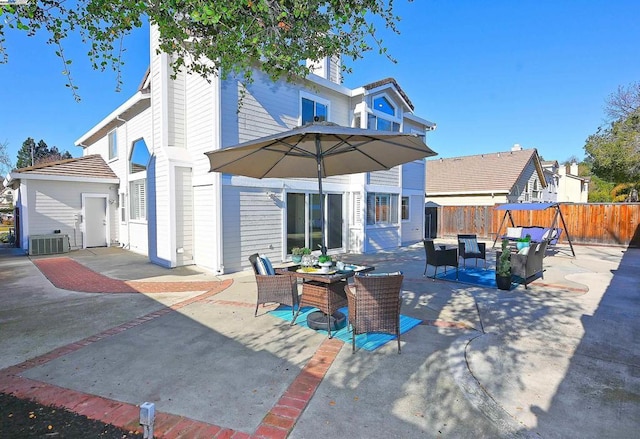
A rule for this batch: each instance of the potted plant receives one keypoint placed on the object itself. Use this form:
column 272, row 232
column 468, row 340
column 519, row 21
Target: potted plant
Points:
column 298, row 252
column 325, row 261
column 503, row 267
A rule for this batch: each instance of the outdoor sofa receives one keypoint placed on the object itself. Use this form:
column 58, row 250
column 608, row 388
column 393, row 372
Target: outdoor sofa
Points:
column 537, row 234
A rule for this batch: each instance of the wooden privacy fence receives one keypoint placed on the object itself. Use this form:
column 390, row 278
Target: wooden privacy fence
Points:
column 589, row 223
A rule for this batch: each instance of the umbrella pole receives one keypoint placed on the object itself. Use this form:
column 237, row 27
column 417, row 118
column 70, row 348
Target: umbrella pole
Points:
column 323, row 248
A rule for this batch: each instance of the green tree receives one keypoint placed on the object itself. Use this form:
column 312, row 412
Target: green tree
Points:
column 214, row 36
column 32, row 153
column 5, row 161
column 614, row 150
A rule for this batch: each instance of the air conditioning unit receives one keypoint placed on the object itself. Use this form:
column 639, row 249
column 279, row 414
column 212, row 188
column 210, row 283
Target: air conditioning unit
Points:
column 48, row 244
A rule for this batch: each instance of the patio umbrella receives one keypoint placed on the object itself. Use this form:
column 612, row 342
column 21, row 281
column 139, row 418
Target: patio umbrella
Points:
column 319, row 149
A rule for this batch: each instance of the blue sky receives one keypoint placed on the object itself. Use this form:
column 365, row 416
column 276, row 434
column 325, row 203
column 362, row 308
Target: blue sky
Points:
column 489, row 73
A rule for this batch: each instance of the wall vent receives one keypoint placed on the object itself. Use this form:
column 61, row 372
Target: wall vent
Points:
column 48, row 244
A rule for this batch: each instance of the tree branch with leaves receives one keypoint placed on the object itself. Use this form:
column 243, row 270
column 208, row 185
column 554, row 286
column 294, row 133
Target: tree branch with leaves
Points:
column 212, row 37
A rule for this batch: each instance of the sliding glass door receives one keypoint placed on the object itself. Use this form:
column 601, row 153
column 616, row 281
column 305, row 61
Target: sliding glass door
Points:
column 303, row 221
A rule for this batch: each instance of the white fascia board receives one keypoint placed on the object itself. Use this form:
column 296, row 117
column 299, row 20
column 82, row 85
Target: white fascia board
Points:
column 432, row 126
column 22, row 176
column 463, row 193
column 319, row 80
column 114, row 115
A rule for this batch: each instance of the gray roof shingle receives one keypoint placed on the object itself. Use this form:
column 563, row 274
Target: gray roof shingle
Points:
column 90, row 166
column 481, row 173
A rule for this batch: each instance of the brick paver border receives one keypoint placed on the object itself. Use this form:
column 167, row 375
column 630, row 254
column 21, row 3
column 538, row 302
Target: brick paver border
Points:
column 68, row 274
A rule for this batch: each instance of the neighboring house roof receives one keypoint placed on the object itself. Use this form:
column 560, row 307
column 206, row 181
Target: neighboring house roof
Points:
column 91, row 168
column 479, row 174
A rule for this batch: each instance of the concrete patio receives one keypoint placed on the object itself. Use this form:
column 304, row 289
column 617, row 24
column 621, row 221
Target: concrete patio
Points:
column 560, row 359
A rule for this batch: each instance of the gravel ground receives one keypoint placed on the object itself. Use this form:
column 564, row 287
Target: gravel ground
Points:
column 22, row 418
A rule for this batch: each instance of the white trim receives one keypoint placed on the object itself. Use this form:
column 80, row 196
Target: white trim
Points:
column 113, row 115
column 412, row 117
column 483, row 192
column 30, row 176
column 314, row 98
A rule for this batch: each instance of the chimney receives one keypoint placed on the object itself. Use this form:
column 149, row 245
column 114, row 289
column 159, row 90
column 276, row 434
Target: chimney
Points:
column 573, row 169
column 328, row 68
column 516, row 147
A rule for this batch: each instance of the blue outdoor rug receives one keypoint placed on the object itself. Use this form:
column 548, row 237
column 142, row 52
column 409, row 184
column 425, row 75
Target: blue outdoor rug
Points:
column 474, row 276
column 369, row 341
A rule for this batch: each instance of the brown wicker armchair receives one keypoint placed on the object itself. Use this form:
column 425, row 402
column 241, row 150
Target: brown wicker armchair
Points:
column 439, row 258
column 374, row 304
column 470, row 248
column 274, row 288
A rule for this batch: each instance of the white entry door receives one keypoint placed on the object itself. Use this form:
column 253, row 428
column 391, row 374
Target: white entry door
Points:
column 95, row 221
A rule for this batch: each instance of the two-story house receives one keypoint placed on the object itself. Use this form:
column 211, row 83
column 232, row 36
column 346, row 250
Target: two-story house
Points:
column 170, row 207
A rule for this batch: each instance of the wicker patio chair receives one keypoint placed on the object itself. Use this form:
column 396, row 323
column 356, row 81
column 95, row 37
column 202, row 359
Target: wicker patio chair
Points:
column 374, row 304
column 529, row 266
column 274, row 288
column 439, row 258
column 470, row 248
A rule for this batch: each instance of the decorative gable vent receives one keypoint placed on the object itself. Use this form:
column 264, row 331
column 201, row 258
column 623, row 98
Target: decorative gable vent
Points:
column 48, row 244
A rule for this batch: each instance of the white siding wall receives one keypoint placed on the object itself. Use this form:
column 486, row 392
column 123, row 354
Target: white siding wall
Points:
column 201, row 123
column 252, row 223
column 133, row 236
column 413, row 229
column 269, row 108
column 413, row 176
column 204, row 217
column 382, row 238
column 55, row 205
column 176, row 104
column 160, row 80
column 139, row 241
column 386, row 178
column 525, row 182
column 410, row 126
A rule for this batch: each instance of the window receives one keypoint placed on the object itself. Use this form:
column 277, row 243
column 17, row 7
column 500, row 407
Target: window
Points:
column 376, row 120
column 536, row 191
column 113, row 145
column 383, row 105
column 303, row 220
column 404, row 209
column 312, row 108
column 138, row 162
column 381, row 124
column 138, row 209
column 382, row 208
column 139, row 157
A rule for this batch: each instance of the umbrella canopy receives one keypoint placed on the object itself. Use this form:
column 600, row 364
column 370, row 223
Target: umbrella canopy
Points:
column 320, row 149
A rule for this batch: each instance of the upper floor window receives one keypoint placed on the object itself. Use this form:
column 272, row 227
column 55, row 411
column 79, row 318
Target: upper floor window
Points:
column 113, row 145
column 384, row 115
column 381, row 124
column 139, row 157
column 383, row 105
column 314, row 108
